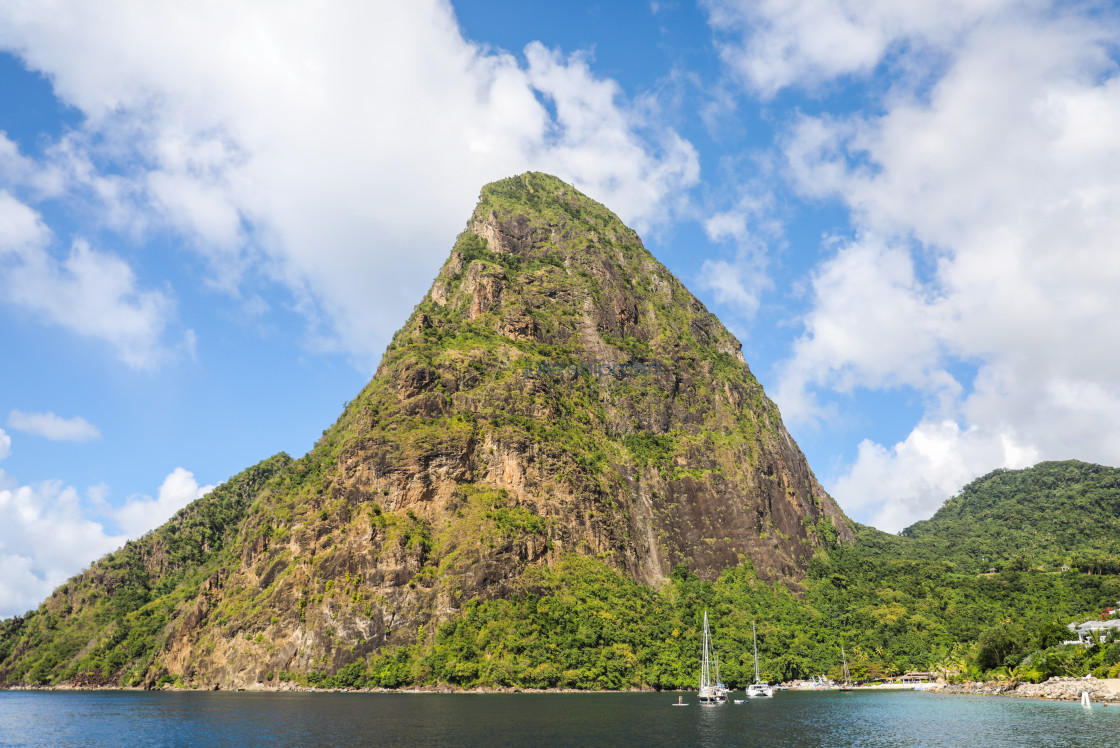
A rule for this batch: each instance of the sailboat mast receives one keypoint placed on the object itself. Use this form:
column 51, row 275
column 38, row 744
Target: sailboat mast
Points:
column 754, row 635
column 705, row 675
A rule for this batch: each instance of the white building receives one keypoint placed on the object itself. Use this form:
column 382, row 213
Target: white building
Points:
column 1092, row 632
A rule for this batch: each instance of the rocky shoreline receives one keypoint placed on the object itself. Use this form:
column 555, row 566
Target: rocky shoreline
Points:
column 1059, row 689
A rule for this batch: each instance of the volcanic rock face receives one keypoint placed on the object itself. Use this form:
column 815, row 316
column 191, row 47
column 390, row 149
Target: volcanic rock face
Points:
column 556, row 391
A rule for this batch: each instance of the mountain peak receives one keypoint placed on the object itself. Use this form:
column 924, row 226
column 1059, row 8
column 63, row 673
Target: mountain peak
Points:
column 558, row 394
column 535, row 214
column 545, row 279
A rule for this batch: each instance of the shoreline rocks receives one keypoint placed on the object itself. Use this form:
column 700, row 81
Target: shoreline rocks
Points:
column 1058, row 689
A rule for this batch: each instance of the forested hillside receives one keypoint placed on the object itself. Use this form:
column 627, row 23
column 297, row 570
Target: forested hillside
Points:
column 582, row 625
column 1054, row 514
column 921, row 600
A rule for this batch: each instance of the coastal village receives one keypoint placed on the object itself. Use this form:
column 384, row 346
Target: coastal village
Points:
column 1088, row 689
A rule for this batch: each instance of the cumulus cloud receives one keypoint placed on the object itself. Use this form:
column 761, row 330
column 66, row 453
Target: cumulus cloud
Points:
column 772, row 44
column 50, row 426
column 981, row 270
column 50, row 531
column 16, row 170
column 332, row 148
column 143, row 513
column 45, row 537
column 90, row 293
column 21, row 229
column 873, row 324
column 749, row 227
column 895, row 487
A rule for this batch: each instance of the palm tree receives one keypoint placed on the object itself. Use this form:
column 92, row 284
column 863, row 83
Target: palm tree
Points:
column 951, row 665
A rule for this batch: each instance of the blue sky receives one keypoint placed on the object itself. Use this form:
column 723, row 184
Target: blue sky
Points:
column 212, row 220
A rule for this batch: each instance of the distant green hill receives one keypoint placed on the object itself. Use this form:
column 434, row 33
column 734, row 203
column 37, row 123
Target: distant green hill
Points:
column 930, row 593
column 1040, row 518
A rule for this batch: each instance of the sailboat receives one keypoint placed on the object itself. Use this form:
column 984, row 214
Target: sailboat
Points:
column 758, row 688
column 847, row 684
column 710, row 692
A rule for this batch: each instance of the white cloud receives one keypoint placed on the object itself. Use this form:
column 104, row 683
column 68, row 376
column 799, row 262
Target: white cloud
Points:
column 50, row 426
column 45, row 538
column 771, row 44
column 893, row 488
column 736, row 284
column 873, row 324
column 594, row 141
column 750, row 227
column 21, row 229
column 48, row 532
column 335, row 148
column 143, row 513
column 16, row 170
column 985, row 202
column 90, row 293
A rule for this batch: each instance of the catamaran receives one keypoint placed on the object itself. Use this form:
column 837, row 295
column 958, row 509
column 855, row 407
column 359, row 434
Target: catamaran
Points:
column 759, row 688
column 710, row 692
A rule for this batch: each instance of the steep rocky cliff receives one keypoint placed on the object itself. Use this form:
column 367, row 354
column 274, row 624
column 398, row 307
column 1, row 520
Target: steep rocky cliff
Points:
column 556, row 392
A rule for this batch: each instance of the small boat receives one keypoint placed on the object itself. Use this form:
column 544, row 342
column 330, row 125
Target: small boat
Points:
column 680, row 702
column 742, row 701
column 759, row 688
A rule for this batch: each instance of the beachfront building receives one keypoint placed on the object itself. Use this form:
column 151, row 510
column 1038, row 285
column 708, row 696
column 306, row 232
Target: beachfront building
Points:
column 914, row 677
column 1093, row 632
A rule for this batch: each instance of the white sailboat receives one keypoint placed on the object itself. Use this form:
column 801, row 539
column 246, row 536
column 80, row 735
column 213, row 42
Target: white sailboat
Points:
column 847, row 684
column 710, row 691
column 759, row 688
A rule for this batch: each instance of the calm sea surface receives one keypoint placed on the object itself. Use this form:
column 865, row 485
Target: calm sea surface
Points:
column 789, row 719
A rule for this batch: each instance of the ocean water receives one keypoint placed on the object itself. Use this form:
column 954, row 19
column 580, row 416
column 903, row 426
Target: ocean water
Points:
column 901, row 718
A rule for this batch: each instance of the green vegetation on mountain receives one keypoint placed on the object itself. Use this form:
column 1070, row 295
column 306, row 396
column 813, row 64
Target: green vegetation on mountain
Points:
column 560, row 464
column 105, row 625
column 582, row 624
column 557, row 395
